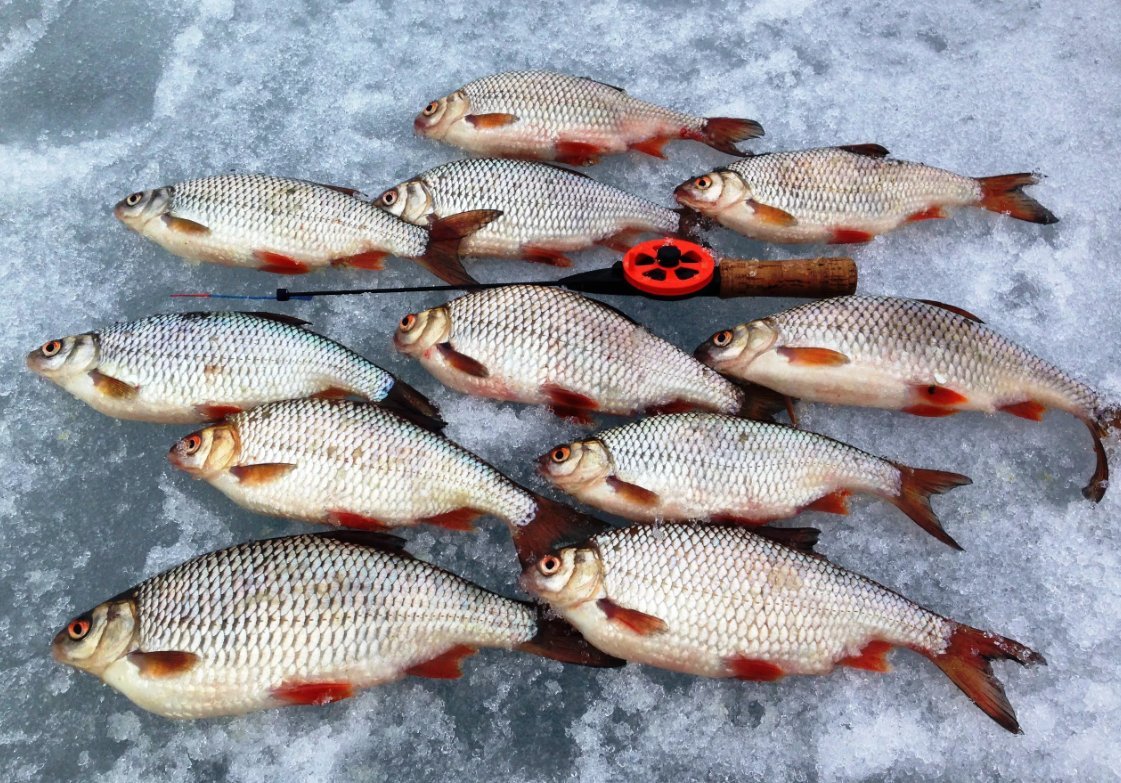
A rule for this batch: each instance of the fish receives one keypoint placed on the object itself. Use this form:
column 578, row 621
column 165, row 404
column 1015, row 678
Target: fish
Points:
column 711, row 467
column 289, row 226
column 547, row 211
column 178, row 368
column 920, row 356
column 725, row 601
column 547, row 346
column 301, row 620
column 841, row 195
column 542, row 115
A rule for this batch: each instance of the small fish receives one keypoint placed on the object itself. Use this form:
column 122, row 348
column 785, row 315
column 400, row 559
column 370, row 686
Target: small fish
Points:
column 709, row 467
column 547, row 346
column 845, row 194
column 547, row 210
column 290, row 226
column 543, row 115
column 723, row 601
column 191, row 367
column 922, row 357
column 301, row 620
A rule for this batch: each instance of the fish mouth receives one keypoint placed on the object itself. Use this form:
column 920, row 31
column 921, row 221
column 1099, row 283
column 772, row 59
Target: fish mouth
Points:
column 420, row 125
column 683, row 195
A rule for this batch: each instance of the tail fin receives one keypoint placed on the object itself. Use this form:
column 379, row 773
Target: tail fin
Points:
column 966, row 662
column 1107, row 420
column 1004, row 194
column 441, row 258
column 558, row 640
column 410, row 404
column 722, row 133
column 916, row 485
column 761, row 403
column 553, row 525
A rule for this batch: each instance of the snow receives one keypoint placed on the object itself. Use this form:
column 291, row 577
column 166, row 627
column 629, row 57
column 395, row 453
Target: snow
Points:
column 100, row 99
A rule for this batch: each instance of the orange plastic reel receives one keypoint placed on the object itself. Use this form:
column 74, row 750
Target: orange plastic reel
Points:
column 668, row 267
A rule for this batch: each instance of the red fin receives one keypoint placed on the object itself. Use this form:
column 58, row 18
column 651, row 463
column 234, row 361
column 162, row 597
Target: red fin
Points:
column 632, row 493
column 953, row 309
column 558, row 640
column 772, row 215
column 1026, row 410
column 460, row 519
column 553, row 525
column 813, row 356
column 652, row 146
column 184, row 226
column 850, row 236
column 112, row 387
column 563, row 398
column 722, row 133
column 333, row 393
column 872, row 658
column 493, row 120
column 441, row 257
column 578, row 153
column 255, row 475
column 445, row 666
column 833, row 503
column 213, row 412
column 313, row 693
column 929, row 411
column 966, row 662
column 543, row 255
column 410, row 404
column 621, row 241
column 675, row 406
column 933, row 213
column 753, row 669
column 165, row 663
column 278, row 264
column 867, row 150
column 916, row 485
column 1004, row 194
column 803, row 539
column 371, row 259
column 932, row 394
column 462, row 362
column 575, row 415
column 641, row 623
column 355, row 521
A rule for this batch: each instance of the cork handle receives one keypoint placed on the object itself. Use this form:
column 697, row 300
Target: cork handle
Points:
column 800, row 278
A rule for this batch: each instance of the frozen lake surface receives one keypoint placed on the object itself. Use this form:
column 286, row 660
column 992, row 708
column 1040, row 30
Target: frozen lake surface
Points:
column 99, row 99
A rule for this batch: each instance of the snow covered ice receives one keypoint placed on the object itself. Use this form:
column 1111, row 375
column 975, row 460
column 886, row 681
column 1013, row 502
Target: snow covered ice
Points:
column 100, row 99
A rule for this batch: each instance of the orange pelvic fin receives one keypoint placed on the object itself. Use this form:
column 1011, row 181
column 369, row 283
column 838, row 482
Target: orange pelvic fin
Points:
column 543, row 255
column 822, row 357
column 850, row 236
column 445, row 666
column 833, row 503
column 462, row 362
column 632, row 493
column 371, row 259
column 933, row 394
column 354, row 521
column 916, row 486
column 184, row 226
column 164, row 663
column 639, row 622
column 929, row 411
column 256, row 475
column 493, row 120
column 621, row 241
column 280, row 264
column 112, row 387
column 213, row 412
column 872, row 658
column 772, row 215
column 563, row 398
column 579, row 153
column 313, row 693
column 933, row 213
column 460, row 519
column 744, row 668
column 1005, row 194
column 722, row 133
column 652, row 146
column 1029, row 409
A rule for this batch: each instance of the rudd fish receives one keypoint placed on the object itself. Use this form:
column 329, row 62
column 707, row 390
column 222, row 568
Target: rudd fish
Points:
column 922, row 357
column 546, row 210
column 551, row 116
column 289, row 226
column 845, row 194
column 189, row 367
column 302, row 620
column 704, row 466
column 722, row 601
column 548, row 346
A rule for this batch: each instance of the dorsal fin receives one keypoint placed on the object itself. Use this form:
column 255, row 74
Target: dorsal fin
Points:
column 867, row 150
column 953, row 309
column 801, row 539
column 605, row 84
column 386, row 542
column 558, row 167
column 355, row 192
column 280, row 318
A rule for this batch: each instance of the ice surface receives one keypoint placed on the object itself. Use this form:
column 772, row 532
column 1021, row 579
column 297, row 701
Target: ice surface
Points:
column 98, row 99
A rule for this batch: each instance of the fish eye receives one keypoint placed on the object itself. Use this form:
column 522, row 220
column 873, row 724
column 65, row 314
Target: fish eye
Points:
column 561, row 453
column 78, row 628
column 549, row 565
column 192, row 443
column 720, row 339
column 408, row 322
column 388, row 198
column 431, row 108
column 134, row 199
column 703, row 183
column 51, row 348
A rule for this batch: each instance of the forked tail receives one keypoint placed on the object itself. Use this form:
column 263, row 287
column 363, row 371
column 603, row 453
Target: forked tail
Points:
column 558, row 640
column 441, row 257
column 552, row 526
column 916, row 486
column 1107, row 422
column 722, row 133
column 1005, row 194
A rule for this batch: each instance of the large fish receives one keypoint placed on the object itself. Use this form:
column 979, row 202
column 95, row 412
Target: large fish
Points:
column 845, row 194
column 710, row 467
column 722, row 601
column 548, row 346
column 551, row 116
column 546, row 210
column 302, row 620
column 922, row 357
column 290, row 226
column 190, row 367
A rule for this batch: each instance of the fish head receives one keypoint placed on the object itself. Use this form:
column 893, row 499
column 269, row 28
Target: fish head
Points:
column 66, row 358
column 411, row 201
column 137, row 209
column 712, row 192
column 95, row 640
column 207, row 452
column 565, row 578
column 574, row 465
column 734, row 349
column 436, row 118
column 417, row 332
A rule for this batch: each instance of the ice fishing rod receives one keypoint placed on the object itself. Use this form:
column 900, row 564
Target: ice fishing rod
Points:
column 658, row 269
